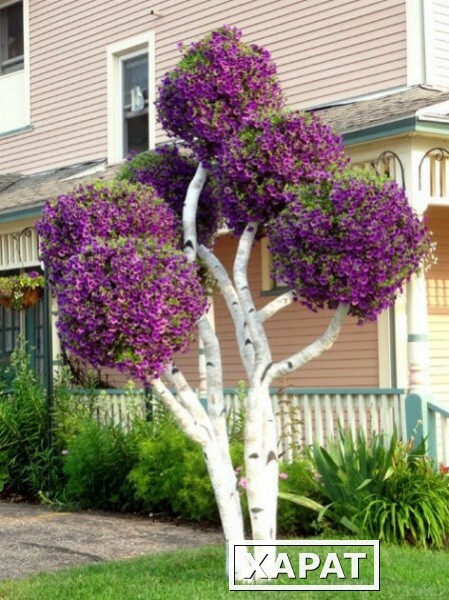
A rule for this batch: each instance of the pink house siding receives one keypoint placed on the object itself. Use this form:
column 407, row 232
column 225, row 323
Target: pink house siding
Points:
column 352, row 361
column 324, row 50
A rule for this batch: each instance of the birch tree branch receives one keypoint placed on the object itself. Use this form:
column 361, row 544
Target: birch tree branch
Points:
column 216, row 407
column 313, row 350
column 187, row 397
column 233, row 303
column 257, row 337
column 185, row 419
column 190, row 210
column 190, row 248
column 275, row 306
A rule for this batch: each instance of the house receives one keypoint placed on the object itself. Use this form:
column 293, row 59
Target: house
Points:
column 377, row 72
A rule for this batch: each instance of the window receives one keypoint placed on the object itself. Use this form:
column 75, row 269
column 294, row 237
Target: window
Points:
column 131, row 118
column 135, row 103
column 14, row 67
column 31, row 324
column 34, row 334
column 11, row 38
column 9, row 332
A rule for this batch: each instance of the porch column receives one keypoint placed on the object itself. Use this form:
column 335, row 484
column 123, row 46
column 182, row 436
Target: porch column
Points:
column 417, row 323
column 418, row 336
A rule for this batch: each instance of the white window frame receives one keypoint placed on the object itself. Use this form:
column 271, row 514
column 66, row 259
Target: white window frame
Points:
column 116, row 54
column 7, row 79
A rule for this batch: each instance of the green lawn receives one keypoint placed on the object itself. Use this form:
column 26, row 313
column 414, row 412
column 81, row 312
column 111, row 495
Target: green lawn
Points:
column 199, row 575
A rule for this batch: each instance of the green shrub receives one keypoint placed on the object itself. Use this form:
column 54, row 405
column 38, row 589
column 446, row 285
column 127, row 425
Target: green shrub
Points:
column 97, row 463
column 349, row 470
column 413, row 506
column 171, row 475
column 389, row 491
column 292, row 518
column 28, row 465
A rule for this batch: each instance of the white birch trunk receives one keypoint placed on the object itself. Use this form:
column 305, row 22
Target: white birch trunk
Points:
column 216, row 448
column 234, row 306
column 262, row 470
column 208, row 428
column 198, row 426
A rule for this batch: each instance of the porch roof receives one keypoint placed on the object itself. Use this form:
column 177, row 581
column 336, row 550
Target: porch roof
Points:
column 388, row 113
column 24, row 195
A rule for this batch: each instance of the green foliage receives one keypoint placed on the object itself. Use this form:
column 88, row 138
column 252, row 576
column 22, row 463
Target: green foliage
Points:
column 27, row 465
column 171, row 475
column 294, row 518
column 349, row 470
column 13, row 289
column 390, row 491
column 98, row 461
column 413, row 506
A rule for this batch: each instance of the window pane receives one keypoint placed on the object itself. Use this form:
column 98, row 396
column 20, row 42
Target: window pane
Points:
column 135, row 74
column 11, row 38
column 135, row 104
column 15, row 30
column 136, row 134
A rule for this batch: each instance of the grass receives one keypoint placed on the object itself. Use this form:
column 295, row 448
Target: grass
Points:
column 199, row 574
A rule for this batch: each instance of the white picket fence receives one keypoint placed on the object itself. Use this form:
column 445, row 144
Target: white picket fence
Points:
column 316, row 414
column 302, row 414
column 115, row 406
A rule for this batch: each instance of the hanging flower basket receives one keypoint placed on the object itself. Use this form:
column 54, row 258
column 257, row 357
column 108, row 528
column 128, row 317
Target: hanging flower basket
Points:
column 31, row 296
column 5, row 301
column 21, row 292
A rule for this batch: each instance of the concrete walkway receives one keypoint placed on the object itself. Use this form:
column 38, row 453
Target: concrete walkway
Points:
column 34, row 538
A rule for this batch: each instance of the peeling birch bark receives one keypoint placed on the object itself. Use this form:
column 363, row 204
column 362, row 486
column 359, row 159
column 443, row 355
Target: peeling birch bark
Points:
column 262, row 470
column 186, row 395
column 186, row 421
column 216, row 408
column 217, row 457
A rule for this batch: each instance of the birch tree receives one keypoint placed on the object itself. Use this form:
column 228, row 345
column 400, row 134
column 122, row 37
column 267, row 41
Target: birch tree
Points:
column 123, row 260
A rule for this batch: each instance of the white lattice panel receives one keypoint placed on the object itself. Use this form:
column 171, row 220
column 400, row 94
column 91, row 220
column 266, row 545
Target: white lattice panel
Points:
column 19, row 249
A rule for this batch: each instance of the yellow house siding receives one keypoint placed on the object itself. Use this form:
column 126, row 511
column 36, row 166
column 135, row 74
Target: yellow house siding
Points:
column 438, row 304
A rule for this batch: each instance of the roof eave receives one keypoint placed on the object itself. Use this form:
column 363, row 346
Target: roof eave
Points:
column 24, row 212
column 380, row 130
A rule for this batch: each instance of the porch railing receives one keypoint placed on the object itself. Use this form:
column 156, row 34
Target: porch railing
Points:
column 428, row 420
column 438, row 425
